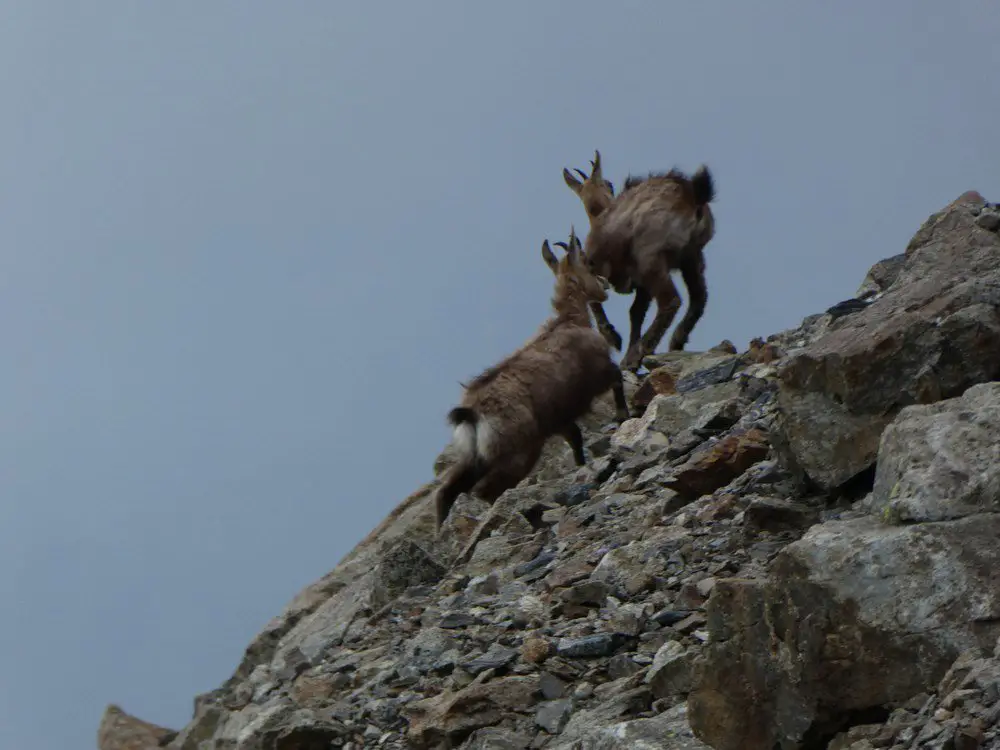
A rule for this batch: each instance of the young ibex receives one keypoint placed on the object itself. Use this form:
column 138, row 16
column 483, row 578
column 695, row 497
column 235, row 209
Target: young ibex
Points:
column 655, row 225
column 510, row 410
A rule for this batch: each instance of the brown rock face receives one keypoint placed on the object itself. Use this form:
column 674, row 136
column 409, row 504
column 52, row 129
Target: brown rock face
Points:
column 121, row 731
column 719, row 463
column 932, row 334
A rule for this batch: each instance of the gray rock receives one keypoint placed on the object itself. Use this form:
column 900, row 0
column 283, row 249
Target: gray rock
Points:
column 850, row 604
column 670, row 673
column 552, row 716
column 491, row 738
column 840, row 391
column 989, row 220
column 941, row 461
column 497, row 657
column 669, row 730
column 589, row 646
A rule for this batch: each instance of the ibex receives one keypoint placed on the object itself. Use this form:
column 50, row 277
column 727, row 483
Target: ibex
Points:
column 655, row 225
column 509, row 411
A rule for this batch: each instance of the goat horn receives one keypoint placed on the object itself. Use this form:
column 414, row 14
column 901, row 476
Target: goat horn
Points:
column 581, row 173
column 561, row 244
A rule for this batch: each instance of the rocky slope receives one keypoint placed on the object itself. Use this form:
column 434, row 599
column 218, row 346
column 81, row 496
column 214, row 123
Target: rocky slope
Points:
column 796, row 546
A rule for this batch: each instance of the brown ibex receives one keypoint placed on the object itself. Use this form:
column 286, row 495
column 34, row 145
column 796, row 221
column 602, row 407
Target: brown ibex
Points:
column 509, row 411
column 655, row 225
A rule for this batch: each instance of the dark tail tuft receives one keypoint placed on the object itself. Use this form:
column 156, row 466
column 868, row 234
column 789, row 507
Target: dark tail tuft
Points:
column 703, row 185
column 462, row 414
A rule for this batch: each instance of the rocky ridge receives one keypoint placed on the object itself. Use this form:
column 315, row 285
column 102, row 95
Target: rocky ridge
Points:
column 794, row 546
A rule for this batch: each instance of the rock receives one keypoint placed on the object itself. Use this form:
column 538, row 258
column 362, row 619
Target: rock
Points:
column 480, row 705
column 497, row 657
column 551, row 686
column 989, row 220
column 849, row 605
column 491, row 738
column 552, row 716
column 589, row 646
column 660, row 381
column 669, row 729
column 586, row 592
column 670, row 673
column 839, row 392
column 881, row 276
column 668, row 415
column 941, row 461
column 776, row 514
column 122, row 731
column 716, row 464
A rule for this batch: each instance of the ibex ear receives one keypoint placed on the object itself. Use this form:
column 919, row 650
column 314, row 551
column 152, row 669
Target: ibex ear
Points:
column 549, row 257
column 574, row 184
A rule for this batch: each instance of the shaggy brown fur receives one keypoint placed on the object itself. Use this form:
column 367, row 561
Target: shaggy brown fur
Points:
column 597, row 194
column 656, row 225
column 507, row 413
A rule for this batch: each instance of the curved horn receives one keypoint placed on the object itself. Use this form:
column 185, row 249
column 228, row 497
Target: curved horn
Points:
column 561, row 244
column 581, row 173
column 596, row 172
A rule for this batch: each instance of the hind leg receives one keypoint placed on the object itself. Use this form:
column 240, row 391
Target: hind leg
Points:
column 574, row 437
column 693, row 273
column 668, row 302
column 459, row 480
column 505, row 473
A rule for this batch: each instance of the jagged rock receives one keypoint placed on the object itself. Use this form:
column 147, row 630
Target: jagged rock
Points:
column 849, row 605
column 839, row 392
column 670, row 673
column 553, row 715
column 668, row 415
column 941, row 461
column 121, row 731
column 718, row 463
column 669, row 729
column 881, row 276
column 478, row 705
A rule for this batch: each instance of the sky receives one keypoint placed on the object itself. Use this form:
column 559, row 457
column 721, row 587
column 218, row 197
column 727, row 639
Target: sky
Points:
column 250, row 249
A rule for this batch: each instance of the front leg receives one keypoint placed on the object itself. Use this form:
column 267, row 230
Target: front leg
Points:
column 668, row 302
column 607, row 330
column 637, row 313
column 618, row 389
column 574, row 437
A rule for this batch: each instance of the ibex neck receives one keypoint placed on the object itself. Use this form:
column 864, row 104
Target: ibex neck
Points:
column 572, row 309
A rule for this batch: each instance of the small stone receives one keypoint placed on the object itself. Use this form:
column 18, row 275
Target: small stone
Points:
column 486, row 585
column 690, row 623
column 622, row 665
column 575, row 495
column 568, row 574
column 551, row 686
column 535, row 650
column 589, row 646
column 705, row 586
column 497, row 657
column 553, row 715
column 670, row 616
column 587, row 592
column 453, row 620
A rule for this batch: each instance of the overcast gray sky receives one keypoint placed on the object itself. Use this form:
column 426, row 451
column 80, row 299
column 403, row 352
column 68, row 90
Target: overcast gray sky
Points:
column 249, row 250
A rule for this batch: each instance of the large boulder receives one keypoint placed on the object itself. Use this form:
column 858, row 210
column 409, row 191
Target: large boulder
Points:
column 868, row 611
column 930, row 335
